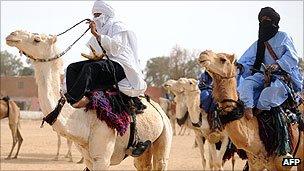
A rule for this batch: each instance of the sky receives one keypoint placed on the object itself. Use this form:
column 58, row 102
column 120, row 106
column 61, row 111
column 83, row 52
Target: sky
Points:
column 221, row 26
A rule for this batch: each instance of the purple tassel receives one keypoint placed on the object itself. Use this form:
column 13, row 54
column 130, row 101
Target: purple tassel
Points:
column 100, row 103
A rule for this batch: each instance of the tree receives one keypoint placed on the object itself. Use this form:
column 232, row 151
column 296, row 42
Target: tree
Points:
column 180, row 63
column 10, row 64
column 26, row 71
column 157, row 71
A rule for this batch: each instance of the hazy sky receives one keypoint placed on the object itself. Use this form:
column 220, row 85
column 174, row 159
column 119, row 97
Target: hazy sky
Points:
column 222, row 26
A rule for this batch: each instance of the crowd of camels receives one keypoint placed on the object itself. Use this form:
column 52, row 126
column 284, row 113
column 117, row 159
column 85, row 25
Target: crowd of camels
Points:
column 101, row 147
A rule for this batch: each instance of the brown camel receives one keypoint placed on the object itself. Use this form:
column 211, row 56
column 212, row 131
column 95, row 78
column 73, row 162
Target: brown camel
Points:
column 9, row 108
column 243, row 133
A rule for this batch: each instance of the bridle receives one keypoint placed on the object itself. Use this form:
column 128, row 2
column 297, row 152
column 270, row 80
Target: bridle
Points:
column 62, row 53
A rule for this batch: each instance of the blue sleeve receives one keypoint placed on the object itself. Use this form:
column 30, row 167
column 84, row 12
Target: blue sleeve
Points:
column 247, row 60
column 289, row 62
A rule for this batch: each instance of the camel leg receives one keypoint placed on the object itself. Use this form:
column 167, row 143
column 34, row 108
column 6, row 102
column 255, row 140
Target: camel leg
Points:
column 200, row 144
column 173, row 126
column 20, row 140
column 233, row 162
column 180, row 130
column 219, row 158
column 101, row 145
column 161, row 148
column 144, row 162
column 58, row 147
column 255, row 165
column 212, row 155
column 85, row 157
column 69, row 153
column 13, row 128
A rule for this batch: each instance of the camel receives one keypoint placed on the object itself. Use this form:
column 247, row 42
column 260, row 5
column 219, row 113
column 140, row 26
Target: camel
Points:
column 192, row 100
column 243, row 133
column 169, row 108
column 181, row 110
column 100, row 145
column 9, row 108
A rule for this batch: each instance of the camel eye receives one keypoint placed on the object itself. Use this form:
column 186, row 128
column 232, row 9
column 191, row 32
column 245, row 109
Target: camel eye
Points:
column 223, row 60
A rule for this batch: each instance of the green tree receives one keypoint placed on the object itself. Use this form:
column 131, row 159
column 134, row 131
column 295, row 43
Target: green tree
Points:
column 180, row 63
column 10, row 64
column 157, row 71
column 26, row 71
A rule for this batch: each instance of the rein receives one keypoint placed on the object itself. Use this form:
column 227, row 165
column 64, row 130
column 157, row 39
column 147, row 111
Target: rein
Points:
column 65, row 51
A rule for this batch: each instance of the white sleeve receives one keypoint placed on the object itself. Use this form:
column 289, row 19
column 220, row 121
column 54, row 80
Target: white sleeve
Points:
column 115, row 45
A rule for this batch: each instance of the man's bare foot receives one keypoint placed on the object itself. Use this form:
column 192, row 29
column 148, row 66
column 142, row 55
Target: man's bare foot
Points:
column 248, row 113
column 81, row 103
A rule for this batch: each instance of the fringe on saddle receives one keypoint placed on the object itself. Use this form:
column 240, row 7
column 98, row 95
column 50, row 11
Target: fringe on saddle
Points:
column 114, row 108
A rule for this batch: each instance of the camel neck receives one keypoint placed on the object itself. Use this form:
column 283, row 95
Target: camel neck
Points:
column 48, row 81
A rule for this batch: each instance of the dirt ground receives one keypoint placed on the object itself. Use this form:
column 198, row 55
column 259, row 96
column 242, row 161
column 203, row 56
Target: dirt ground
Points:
column 40, row 145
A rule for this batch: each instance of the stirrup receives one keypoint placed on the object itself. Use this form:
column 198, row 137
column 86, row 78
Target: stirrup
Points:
column 139, row 148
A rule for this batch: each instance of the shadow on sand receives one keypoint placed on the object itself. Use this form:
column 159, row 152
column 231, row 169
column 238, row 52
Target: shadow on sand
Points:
column 34, row 158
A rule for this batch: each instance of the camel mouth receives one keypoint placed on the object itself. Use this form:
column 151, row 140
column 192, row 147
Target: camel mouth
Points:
column 11, row 41
column 204, row 62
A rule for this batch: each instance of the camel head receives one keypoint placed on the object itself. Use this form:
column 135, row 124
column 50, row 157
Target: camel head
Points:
column 32, row 44
column 188, row 84
column 171, row 85
column 222, row 69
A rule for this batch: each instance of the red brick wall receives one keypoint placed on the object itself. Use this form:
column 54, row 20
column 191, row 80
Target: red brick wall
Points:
column 155, row 93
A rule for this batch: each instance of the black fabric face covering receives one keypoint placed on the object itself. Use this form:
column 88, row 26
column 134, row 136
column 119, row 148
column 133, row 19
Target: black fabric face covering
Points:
column 267, row 29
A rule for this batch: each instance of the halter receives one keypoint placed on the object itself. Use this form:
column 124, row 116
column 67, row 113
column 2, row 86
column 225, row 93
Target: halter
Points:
column 62, row 53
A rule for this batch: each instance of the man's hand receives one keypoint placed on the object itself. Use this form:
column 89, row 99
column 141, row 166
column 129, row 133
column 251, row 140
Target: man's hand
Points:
column 274, row 67
column 93, row 28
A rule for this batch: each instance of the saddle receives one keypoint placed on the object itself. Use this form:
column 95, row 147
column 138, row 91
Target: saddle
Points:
column 277, row 130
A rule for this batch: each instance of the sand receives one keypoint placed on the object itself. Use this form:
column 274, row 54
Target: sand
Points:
column 40, row 145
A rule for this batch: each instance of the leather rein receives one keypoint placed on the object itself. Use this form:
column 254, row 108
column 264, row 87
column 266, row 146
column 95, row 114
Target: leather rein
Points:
column 65, row 51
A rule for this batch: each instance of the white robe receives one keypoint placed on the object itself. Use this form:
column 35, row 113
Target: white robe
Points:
column 120, row 45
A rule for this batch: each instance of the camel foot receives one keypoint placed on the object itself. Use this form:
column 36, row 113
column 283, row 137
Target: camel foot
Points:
column 70, row 160
column 8, row 158
column 15, row 157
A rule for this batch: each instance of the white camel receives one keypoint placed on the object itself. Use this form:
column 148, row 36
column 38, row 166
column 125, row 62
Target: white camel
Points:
column 192, row 100
column 169, row 108
column 100, row 145
column 181, row 110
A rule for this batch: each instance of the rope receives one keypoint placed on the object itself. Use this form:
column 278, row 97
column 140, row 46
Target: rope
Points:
column 73, row 27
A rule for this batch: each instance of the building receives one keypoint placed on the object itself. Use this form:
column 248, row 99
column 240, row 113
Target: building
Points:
column 24, row 91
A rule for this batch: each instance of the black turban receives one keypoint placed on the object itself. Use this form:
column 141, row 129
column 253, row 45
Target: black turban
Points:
column 271, row 13
column 267, row 30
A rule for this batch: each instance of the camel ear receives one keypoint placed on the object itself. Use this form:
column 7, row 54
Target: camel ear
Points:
column 231, row 58
column 52, row 39
column 192, row 82
column 37, row 38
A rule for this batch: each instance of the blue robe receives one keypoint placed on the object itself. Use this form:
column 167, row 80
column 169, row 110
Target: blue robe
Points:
column 206, row 99
column 251, row 87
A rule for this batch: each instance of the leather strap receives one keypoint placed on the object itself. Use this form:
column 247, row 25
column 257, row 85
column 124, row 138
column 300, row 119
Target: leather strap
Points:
column 270, row 50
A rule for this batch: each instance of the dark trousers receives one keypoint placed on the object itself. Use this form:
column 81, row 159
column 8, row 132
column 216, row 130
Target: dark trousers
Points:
column 85, row 76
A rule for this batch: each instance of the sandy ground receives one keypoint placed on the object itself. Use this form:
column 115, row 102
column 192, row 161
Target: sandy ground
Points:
column 40, row 145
